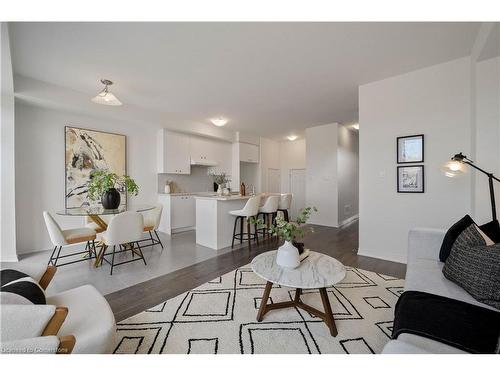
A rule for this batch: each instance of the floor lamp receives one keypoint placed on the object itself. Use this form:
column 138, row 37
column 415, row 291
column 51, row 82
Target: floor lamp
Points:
column 454, row 167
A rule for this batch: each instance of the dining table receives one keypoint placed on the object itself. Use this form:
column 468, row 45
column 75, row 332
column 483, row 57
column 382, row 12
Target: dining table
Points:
column 95, row 214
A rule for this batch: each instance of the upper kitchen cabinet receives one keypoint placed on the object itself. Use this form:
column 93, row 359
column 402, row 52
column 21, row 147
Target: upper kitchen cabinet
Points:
column 203, row 151
column 249, row 152
column 173, row 153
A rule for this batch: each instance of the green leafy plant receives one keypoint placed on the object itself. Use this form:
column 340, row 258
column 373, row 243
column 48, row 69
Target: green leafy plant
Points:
column 102, row 181
column 220, row 178
column 289, row 231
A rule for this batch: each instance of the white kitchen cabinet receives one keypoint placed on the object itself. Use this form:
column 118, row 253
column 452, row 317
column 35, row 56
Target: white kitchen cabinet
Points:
column 183, row 211
column 173, row 153
column 202, row 150
column 249, row 153
column 179, row 213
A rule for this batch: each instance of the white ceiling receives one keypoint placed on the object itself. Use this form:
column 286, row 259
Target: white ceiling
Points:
column 268, row 79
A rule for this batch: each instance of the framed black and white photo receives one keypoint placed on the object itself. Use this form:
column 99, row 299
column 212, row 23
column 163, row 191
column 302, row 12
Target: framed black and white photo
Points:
column 411, row 179
column 410, row 149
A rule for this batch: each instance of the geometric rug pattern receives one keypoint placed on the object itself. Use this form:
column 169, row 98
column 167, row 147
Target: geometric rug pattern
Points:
column 220, row 317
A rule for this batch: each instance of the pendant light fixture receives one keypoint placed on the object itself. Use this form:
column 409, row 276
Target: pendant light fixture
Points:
column 105, row 97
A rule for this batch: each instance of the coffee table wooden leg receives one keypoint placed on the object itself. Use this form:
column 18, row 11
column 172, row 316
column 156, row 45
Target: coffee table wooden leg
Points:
column 263, row 302
column 330, row 322
column 298, row 292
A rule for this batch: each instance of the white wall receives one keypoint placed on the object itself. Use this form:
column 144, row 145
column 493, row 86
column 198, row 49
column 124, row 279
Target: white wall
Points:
column 7, row 152
column 348, row 174
column 436, row 102
column 292, row 156
column 487, row 86
column 40, row 167
column 321, row 173
column 269, row 158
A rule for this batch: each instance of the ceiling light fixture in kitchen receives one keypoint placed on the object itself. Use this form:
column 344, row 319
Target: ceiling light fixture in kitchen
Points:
column 220, row 121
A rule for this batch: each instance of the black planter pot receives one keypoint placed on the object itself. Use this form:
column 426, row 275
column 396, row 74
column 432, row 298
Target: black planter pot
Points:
column 299, row 246
column 111, row 199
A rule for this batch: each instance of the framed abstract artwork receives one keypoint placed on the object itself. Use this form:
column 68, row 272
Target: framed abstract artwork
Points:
column 411, row 179
column 87, row 151
column 410, row 149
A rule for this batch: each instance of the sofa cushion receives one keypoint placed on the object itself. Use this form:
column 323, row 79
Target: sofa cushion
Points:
column 452, row 234
column 475, row 267
column 89, row 319
column 20, row 289
column 426, row 275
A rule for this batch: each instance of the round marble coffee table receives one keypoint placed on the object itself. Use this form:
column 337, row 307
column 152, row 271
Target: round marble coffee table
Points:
column 317, row 271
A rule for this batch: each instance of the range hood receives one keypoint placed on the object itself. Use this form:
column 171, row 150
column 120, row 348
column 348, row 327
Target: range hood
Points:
column 204, row 162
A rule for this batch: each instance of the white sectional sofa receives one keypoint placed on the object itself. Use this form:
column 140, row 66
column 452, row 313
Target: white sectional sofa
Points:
column 424, row 273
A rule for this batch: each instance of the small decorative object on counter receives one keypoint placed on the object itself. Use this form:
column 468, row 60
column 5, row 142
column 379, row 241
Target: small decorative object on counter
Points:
column 167, row 187
column 226, row 191
column 288, row 255
column 242, row 189
column 107, row 187
column 220, row 178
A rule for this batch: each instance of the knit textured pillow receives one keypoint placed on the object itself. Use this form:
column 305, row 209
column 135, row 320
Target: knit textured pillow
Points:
column 475, row 267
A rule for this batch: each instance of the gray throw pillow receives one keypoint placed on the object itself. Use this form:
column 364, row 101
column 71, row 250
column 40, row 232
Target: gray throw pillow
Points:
column 475, row 267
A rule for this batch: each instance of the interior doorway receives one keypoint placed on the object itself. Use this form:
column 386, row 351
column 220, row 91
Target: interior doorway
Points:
column 273, row 180
column 298, row 189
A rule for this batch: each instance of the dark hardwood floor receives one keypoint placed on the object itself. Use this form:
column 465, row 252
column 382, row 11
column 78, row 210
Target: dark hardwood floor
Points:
column 340, row 243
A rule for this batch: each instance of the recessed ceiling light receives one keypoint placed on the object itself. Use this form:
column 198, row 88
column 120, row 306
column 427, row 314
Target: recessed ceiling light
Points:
column 105, row 97
column 292, row 137
column 355, row 126
column 220, row 121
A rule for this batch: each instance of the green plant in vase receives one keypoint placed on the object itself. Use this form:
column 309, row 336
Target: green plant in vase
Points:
column 104, row 185
column 291, row 232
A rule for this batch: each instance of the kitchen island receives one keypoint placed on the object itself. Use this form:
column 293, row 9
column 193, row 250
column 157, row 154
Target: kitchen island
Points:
column 214, row 224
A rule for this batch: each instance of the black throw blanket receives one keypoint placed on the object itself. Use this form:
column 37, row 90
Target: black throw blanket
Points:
column 467, row 327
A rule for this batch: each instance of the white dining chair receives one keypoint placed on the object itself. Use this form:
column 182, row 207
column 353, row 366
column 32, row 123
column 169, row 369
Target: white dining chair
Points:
column 269, row 211
column 60, row 238
column 285, row 204
column 124, row 231
column 89, row 223
column 152, row 220
column 250, row 210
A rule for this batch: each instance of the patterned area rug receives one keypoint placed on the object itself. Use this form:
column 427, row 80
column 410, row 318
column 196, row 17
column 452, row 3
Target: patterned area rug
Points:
column 219, row 317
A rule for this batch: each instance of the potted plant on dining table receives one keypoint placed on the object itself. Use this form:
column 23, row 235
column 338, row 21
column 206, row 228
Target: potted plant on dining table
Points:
column 105, row 186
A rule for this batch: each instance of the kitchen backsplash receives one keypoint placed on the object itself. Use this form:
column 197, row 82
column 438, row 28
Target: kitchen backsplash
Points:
column 197, row 181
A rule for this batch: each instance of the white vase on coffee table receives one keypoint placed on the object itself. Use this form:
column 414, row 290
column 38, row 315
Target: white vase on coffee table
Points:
column 288, row 256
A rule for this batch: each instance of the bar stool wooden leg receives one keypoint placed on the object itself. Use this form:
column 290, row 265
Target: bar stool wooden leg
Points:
column 234, row 231
column 249, row 234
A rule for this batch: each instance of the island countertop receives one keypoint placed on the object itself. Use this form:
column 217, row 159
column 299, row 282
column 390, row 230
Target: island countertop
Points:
column 222, row 197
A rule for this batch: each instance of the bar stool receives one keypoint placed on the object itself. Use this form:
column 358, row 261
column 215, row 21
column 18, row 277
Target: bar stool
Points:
column 285, row 204
column 269, row 211
column 250, row 210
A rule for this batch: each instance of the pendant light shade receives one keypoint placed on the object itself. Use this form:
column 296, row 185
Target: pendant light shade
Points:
column 105, row 97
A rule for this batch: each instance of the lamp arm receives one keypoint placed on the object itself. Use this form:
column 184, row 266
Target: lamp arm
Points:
column 481, row 170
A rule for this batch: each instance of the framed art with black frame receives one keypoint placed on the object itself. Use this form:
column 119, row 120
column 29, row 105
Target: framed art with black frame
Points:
column 410, row 149
column 411, row 179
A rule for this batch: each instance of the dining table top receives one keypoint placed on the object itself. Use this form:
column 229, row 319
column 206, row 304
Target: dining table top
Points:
column 101, row 211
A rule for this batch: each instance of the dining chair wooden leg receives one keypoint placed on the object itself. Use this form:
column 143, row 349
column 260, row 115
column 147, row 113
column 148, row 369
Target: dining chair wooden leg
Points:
column 158, row 237
column 112, row 260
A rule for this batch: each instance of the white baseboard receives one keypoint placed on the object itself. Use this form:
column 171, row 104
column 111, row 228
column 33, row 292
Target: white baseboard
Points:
column 389, row 257
column 349, row 220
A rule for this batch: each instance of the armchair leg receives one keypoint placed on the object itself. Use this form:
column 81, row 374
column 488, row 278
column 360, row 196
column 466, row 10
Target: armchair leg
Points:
column 47, row 276
column 66, row 344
